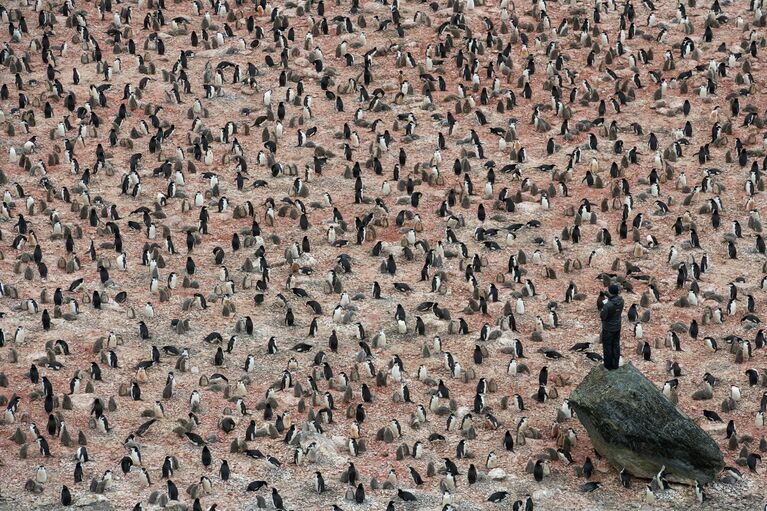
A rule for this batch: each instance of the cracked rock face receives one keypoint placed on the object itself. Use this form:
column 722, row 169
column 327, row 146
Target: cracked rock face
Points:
column 635, row 427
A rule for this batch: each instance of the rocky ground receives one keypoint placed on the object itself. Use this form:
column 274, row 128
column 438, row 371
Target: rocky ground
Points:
column 56, row 196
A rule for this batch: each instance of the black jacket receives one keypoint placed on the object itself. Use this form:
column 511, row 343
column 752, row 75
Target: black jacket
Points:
column 611, row 314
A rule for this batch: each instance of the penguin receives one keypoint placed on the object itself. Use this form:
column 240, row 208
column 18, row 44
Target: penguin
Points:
column 625, row 478
column 102, row 424
column 498, row 497
column 588, row 468
column 145, row 477
column 359, row 494
column 700, row 493
column 319, row 482
column 417, row 480
column 41, row 474
column 646, row 351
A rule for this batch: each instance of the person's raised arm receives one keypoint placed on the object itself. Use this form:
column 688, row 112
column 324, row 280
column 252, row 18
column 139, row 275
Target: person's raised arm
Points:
column 605, row 312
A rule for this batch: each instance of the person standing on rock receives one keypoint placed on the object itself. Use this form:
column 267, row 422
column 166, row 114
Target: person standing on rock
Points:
column 611, row 327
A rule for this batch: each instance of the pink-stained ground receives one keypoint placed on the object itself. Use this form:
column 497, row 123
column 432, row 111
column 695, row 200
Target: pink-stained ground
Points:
column 579, row 321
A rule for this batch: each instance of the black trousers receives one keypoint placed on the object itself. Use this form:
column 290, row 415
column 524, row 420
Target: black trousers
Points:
column 611, row 346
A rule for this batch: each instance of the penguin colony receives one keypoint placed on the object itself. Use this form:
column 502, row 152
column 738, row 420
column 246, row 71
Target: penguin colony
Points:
column 349, row 255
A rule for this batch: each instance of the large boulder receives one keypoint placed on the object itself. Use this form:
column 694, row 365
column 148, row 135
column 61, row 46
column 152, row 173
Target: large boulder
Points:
column 634, row 426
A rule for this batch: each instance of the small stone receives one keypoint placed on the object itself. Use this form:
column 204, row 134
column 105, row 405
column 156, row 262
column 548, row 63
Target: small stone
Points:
column 497, row 474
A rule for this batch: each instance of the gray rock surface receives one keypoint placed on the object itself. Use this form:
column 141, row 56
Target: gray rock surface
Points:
column 634, row 426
